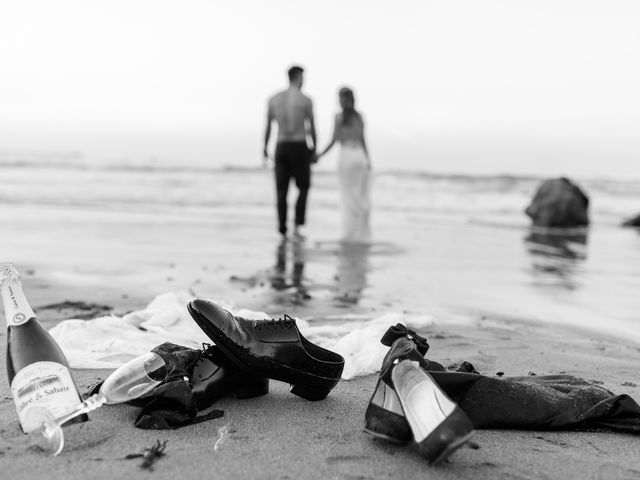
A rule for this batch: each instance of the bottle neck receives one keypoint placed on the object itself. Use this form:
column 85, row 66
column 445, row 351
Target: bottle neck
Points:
column 16, row 307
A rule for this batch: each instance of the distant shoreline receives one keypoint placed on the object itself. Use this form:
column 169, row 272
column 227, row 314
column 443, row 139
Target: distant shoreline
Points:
column 77, row 160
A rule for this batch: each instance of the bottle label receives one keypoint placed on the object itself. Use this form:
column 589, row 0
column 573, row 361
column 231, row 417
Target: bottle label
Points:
column 43, row 384
column 16, row 307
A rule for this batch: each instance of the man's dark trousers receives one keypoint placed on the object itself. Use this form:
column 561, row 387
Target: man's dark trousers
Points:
column 293, row 159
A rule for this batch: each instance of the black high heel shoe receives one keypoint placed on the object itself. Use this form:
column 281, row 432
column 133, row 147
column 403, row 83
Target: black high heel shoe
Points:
column 408, row 403
column 384, row 417
column 438, row 424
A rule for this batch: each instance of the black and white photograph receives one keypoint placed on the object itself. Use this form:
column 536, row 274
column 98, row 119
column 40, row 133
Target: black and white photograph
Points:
column 348, row 240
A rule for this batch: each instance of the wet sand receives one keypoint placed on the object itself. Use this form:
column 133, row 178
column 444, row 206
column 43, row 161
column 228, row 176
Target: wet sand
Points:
column 283, row 436
column 117, row 262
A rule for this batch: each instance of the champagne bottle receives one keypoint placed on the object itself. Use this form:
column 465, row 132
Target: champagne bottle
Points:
column 38, row 371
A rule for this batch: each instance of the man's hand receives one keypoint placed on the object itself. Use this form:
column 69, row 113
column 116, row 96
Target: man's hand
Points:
column 265, row 157
column 314, row 158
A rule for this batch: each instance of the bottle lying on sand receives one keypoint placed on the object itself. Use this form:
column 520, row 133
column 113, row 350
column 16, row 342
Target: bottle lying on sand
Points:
column 38, row 370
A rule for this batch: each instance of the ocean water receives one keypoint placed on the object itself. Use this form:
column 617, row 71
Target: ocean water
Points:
column 448, row 245
column 71, row 180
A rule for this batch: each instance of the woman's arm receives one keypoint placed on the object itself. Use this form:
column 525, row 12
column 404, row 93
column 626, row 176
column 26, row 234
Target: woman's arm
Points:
column 333, row 138
column 364, row 143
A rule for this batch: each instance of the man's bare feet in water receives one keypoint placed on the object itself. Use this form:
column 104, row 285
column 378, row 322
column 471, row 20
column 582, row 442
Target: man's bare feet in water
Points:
column 299, row 233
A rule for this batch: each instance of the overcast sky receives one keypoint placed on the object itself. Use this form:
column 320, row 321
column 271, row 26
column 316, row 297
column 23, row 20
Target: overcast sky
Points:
column 544, row 87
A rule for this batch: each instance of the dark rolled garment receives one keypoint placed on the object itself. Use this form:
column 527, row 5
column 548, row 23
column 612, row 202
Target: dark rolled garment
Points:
column 541, row 402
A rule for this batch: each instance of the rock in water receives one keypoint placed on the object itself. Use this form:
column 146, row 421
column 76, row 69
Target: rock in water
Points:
column 632, row 222
column 559, row 203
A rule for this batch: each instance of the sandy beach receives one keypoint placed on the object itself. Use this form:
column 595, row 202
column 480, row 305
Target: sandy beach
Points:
column 480, row 158
column 283, row 436
column 106, row 261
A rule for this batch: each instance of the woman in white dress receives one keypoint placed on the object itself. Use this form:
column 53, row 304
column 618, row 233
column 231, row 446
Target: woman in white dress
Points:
column 354, row 170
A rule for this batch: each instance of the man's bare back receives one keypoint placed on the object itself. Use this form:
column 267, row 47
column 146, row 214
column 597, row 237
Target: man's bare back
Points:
column 293, row 111
column 294, row 155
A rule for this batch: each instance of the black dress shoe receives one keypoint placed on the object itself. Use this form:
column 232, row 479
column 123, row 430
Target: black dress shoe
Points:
column 271, row 348
column 215, row 376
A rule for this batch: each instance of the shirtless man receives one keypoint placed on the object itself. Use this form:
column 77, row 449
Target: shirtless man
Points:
column 293, row 111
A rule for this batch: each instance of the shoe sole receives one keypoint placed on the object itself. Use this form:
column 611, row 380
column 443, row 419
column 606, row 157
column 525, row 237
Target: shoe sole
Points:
column 299, row 381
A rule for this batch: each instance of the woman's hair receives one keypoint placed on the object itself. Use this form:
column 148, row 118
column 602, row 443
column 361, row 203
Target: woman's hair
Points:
column 349, row 112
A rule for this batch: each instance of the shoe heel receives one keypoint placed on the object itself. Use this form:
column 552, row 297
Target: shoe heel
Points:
column 309, row 393
column 252, row 387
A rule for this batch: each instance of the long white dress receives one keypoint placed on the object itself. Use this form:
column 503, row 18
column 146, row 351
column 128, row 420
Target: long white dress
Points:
column 355, row 184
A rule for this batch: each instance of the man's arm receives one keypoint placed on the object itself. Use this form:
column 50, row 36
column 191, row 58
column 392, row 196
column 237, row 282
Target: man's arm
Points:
column 267, row 131
column 312, row 125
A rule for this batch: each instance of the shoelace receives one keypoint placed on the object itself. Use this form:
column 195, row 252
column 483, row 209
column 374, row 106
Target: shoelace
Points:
column 283, row 323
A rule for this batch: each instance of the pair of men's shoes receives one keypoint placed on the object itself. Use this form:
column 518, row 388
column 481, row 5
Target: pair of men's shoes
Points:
column 408, row 404
column 249, row 352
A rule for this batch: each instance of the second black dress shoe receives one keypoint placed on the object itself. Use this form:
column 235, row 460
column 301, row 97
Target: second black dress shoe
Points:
column 215, row 376
column 272, row 349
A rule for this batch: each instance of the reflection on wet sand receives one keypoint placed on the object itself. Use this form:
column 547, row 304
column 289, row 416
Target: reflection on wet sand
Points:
column 281, row 280
column 349, row 281
column 327, row 274
column 557, row 257
column 351, row 275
